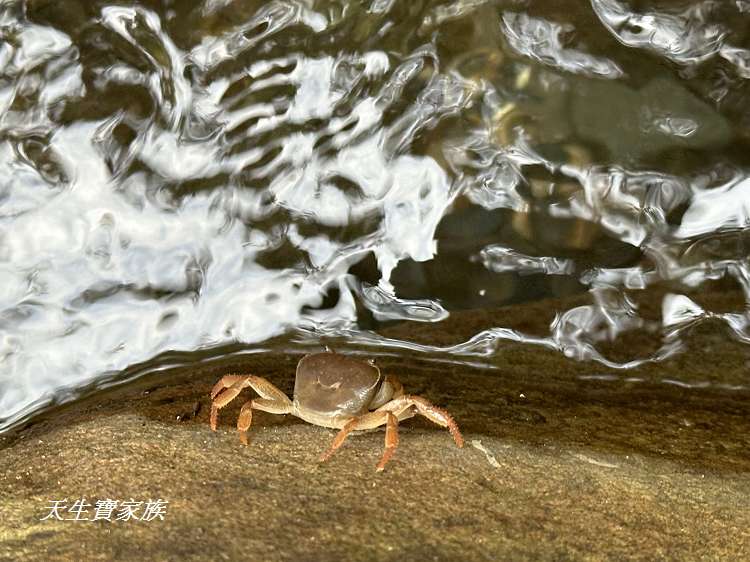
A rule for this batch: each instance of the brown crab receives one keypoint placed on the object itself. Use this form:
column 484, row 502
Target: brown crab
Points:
column 333, row 390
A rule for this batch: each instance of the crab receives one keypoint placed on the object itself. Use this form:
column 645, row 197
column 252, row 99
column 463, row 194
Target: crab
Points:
column 336, row 391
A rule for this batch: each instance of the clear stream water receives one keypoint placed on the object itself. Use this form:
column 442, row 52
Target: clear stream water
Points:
column 180, row 176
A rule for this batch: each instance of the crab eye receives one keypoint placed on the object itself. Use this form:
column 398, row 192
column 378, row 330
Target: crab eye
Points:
column 371, row 361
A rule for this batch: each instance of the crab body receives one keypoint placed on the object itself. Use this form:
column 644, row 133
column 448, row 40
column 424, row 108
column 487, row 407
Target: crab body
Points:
column 336, row 391
column 330, row 389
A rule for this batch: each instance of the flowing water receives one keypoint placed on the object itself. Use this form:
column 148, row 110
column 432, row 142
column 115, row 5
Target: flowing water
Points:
column 188, row 179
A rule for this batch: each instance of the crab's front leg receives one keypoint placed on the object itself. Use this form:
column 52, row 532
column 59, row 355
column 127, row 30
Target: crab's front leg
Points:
column 272, row 400
column 370, row 420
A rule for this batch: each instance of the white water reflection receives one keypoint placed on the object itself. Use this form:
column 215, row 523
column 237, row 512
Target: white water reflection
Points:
column 211, row 174
column 540, row 40
column 501, row 259
column 686, row 36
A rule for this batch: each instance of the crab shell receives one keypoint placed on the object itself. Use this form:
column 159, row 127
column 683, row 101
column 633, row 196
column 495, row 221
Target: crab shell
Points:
column 330, row 387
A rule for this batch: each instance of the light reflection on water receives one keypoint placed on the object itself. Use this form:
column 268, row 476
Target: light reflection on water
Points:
column 194, row 174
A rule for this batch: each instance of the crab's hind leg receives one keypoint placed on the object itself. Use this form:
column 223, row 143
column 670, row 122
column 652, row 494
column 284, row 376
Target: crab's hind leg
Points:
column 272, row 399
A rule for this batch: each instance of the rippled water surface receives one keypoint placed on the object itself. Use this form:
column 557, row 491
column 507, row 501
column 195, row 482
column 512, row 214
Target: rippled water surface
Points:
column 183, row 175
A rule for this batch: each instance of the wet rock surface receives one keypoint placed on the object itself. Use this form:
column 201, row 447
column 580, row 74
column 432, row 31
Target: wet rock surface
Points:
column 558, row 464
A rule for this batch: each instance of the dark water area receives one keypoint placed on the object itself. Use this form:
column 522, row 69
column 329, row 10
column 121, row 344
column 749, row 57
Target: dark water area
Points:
column 184, row 181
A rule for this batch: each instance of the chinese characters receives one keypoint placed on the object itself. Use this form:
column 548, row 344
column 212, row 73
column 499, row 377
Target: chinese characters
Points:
column 106, row 510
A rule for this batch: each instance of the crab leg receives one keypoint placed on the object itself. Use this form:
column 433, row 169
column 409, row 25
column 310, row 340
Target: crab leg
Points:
column 391, row 441
column 398, row 388
column 389, row 414
column 370, row 420
column 272, row 399
column 401, row 406
column 246, row 413
column 340, row 438
column 225, row 382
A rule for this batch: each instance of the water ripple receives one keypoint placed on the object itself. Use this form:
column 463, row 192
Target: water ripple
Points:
column 177, row 180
